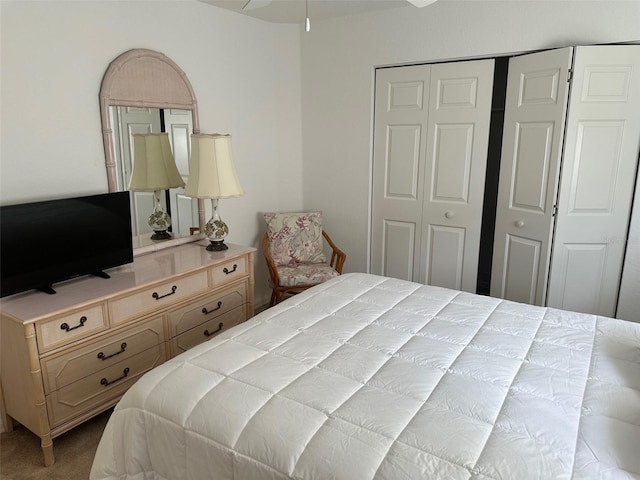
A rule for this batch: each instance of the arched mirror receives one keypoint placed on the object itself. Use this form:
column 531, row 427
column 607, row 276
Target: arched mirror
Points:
column 144, row 91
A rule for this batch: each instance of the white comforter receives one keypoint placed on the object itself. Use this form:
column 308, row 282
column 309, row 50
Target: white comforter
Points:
column 367, row 377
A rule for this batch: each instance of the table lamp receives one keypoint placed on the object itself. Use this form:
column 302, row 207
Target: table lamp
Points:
column 212, row 175
column 154, row 170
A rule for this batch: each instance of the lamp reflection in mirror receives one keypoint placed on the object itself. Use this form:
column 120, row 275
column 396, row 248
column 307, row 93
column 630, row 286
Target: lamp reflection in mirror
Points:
column 213, row 175
column 154, row 170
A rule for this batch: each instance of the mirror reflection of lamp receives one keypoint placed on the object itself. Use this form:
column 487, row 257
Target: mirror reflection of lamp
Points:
column 213, row 175
column 154, row 170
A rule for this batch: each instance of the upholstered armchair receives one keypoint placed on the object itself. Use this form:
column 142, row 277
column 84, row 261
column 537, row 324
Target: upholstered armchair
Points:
column 293, row 247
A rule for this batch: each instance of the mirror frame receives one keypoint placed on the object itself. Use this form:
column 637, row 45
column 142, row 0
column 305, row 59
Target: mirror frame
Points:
column 145, row 78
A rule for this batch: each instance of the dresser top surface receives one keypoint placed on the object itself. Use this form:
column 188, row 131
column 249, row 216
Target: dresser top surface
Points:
column 144, row 270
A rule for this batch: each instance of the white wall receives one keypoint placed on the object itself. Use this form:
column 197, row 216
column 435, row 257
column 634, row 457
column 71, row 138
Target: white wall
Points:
column 245, row 74
column 338, row 60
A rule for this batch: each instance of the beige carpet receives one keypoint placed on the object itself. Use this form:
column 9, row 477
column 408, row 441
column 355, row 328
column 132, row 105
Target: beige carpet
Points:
column 21, row 456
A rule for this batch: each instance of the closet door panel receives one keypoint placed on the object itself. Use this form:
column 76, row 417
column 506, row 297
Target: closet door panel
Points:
column 401, row 107
column 456, row 159
column 446, row 256
column 401, row 167
column 535, row 111
column 399, row 245
column 531, row 167
column 598, row 178
column 581, row 267
column 522, row 261
column 452, row 163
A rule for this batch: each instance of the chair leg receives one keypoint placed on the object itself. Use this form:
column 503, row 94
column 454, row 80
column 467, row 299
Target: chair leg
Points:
column 272, row 302
column 279, row 297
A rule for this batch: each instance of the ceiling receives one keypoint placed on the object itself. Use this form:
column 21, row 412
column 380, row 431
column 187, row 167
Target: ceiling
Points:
column 293, row 11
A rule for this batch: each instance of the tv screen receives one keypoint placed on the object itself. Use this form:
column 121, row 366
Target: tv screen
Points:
column 45, row 242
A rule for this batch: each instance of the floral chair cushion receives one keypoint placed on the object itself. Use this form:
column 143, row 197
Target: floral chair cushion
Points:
column 295, row 238
column 305, row 274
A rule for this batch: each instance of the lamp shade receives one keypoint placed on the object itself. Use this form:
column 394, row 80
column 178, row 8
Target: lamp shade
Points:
column 211, row 170
column 154, row 167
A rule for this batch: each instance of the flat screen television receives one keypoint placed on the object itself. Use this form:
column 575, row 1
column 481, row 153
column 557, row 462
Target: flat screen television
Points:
column 45, row 242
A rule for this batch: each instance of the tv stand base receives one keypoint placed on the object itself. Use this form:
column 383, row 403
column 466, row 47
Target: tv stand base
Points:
column 47, row 289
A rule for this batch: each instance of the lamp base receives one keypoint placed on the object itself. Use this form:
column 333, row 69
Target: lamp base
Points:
column 161, row 235
column 159, row 220
column 217, row 246
column 216, row 230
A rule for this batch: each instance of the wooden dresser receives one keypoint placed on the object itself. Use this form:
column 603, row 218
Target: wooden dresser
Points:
column 69, row 356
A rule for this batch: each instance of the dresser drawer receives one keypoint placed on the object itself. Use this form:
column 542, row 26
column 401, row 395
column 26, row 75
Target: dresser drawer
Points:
column 208, row 308
column 61, row 370
column 157, row 297
column 206, row 331
column 91, row 391
column 229, row 271
column 67, row 328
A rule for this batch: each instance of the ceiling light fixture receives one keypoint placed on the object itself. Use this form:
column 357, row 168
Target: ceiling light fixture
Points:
column 307, row 25
column 421, row 3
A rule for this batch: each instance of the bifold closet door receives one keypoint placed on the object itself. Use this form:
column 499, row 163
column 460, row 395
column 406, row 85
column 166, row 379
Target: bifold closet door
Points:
column 602, row 143
column 400, row 137
column 431, row 132
column 535, row 110
column 567, row 177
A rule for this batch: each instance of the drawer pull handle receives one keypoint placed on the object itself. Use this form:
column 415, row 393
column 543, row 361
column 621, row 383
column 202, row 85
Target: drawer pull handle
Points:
column 227, row 271
column 65, row 326
column 157, row 296
column 205, row 311
column 106, row 382
column 102, row 356
column 207, row 333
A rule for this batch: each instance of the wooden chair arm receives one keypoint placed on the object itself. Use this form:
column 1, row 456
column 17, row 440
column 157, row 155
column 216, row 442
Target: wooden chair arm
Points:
column 338, row 257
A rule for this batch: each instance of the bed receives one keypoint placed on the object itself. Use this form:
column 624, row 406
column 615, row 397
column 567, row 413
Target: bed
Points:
column 367, row 377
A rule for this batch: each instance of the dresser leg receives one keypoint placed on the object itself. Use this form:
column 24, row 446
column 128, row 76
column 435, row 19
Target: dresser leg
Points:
column 47, row 450
column 7, row 421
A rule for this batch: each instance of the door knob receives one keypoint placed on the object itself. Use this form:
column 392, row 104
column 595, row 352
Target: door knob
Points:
column 519, row 224
column 448, row 214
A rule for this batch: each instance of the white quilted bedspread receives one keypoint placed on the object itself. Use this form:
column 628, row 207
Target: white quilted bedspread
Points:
column 366, row 377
